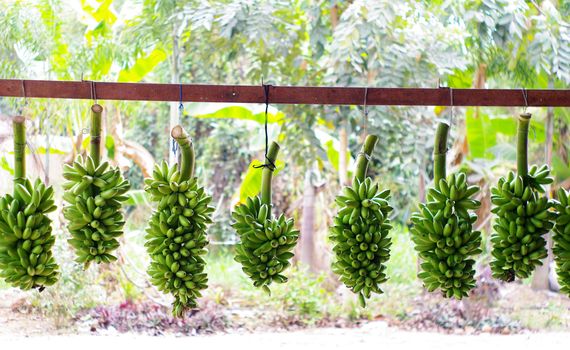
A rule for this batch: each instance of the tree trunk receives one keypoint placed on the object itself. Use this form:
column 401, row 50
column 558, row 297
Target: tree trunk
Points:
column 125, row 149
column 541, row 279
column 307, row 239
column 139, row 155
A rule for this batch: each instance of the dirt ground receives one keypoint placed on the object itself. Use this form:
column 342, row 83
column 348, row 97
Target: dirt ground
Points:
column 22, row 328
column 371, row 335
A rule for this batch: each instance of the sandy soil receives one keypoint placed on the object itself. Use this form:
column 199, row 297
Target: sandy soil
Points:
column 371, row 336
column 26, row 330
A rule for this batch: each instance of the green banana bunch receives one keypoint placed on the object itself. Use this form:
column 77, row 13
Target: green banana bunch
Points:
column 26, row 239
column 266, row 243
column 94, row 193
column 443, row 229
column 176, row 235
column 361, row 245
column 561, row 248
column 444, row 237
column 523, row 216
column 95, row 220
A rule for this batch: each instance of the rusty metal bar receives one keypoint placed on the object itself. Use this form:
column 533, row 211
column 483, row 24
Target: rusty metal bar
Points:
column 282, row 94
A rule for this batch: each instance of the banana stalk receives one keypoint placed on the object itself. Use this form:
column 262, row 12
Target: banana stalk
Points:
column 26, row 240
column 266, row 243
column 443, row 233
column 523, row 215
column 94, row 193
column 361, row 244
column 176, row 235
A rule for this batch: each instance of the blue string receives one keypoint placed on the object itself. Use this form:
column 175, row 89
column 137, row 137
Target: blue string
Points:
column 180, row 111
column 181, row 105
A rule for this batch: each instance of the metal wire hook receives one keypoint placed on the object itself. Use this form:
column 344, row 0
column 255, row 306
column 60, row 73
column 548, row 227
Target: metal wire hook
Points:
column 93, row 91
column 525, row 97
column 25, row 97
column 365, row 111
column 24, row 89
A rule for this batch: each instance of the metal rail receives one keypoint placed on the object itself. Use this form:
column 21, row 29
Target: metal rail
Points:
column 282, row 94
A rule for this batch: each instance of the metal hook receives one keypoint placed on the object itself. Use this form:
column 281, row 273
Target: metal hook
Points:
column 365, row 102
column 525, row 97
column 24, row 92
column 93, row 91
column 25, row 97
column 365, row 111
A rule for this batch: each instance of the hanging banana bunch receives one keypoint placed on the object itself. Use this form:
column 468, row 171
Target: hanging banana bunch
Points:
column 561, row 248
column 443, row 229
column 361, row 245
column 94, row 192
column 522, row 215
column 176, row 236
column 265, row 242
column 26, row 239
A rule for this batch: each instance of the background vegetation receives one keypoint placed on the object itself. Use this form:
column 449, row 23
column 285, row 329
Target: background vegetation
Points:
column 459, row 44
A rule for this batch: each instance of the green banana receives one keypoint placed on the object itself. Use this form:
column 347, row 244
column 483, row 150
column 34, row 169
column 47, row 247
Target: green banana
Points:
column 94, row 188
column 561, row 238
column 265, row 246
column 443, row 229
column 361, row 244
column 176, row 235
column 26, row 239
column 523, row 215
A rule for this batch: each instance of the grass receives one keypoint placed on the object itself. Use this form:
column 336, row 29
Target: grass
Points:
column 311, row 298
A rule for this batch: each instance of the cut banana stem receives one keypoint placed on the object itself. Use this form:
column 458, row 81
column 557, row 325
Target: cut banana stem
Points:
column 26, row 239
column 19, row 128
column 176, row 236
column 439, row 152
column 522, row 145
column 523, row 215
column 187, row 152
column 94, row 193
column 266, row 243
column 96, row 113
column 267, row 174
column 361, row 244
column 362, row 160
column 443, row 233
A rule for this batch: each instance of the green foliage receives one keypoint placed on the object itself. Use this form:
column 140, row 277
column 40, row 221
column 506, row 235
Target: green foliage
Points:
column 242, row 112
column 251, row 184
column 6, row 166
column 374, row 43
column 137, row 198
column 142, row 66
